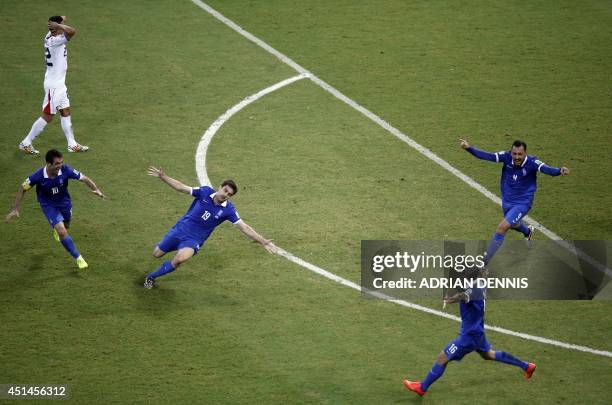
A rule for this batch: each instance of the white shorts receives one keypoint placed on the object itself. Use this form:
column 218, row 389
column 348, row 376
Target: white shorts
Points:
column 55, row 100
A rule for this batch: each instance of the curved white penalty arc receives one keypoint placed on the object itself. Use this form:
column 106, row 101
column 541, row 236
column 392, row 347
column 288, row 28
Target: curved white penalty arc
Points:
column 212, row 130
column 203, row 178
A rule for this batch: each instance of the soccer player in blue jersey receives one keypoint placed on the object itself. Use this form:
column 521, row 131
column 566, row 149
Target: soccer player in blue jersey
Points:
column 471, row 338
column 208, row 210
column 51, row 183
column 518, row 187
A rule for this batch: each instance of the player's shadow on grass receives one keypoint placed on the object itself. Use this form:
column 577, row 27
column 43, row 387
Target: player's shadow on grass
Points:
column 168, row 297
column 159, row 300
column 36, row 262
column 35, row 273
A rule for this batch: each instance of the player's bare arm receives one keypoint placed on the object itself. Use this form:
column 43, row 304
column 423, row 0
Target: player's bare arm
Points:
column 455, row 298
column 251, row 233
column 15, row 211
column 175, row 184
column 68, row 30
column 92, row 186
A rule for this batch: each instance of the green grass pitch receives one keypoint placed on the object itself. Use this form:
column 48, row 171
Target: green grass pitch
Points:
column 236, row 325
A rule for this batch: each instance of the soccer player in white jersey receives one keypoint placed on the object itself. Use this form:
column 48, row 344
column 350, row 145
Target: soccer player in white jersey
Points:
column 56, row 93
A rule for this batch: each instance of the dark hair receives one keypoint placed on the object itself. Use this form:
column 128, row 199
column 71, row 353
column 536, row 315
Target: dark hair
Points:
column 56, row 18
column 518, row 144
column 232, row 184
column 52, row 154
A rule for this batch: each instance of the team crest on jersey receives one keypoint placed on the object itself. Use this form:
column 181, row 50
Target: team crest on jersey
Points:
column 218, row 214
column 515, row 177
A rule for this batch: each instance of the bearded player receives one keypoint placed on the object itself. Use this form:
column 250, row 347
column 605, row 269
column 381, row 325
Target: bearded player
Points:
column 518, row 186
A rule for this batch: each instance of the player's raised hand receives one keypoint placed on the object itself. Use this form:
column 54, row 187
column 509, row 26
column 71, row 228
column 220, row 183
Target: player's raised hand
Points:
column 52, row 25
column 565, row 171
column 14, row 213
column 463, row 143
column 155, row 172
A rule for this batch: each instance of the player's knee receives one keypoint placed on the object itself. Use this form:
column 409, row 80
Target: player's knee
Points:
column 61, row 231
column 490, row 355
column 503, row 228
column 47, row 117
column 157, row 252
column 442, row 359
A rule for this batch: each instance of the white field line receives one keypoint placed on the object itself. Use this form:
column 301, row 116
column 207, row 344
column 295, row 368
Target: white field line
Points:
column 399, row 134
column 210, row 132
column 203, row 178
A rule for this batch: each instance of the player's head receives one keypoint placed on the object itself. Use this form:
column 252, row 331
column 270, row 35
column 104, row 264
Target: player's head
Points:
column 55, row 161
column 226, row 191
column 57, row 19
column 519, row 152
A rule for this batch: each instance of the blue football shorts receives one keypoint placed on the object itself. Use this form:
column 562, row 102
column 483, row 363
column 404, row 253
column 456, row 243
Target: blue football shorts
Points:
column 465, row 344
column 56, row 215
column 515, row 213
column 176, row 240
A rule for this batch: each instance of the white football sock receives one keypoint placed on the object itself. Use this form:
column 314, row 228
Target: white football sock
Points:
column 67, row 127
column 37, row 128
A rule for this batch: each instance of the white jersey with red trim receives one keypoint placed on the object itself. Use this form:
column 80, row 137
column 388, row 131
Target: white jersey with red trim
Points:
column 56, row 57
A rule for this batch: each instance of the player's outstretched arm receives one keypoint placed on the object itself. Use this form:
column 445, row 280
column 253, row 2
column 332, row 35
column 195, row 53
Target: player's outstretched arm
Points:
column 15, row 211
column 251, row 233
column 480, row 154
column 175, row 184
column 554, row 171
column 92, row 186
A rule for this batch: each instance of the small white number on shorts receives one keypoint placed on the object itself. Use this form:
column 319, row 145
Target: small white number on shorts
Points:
column 452, row 348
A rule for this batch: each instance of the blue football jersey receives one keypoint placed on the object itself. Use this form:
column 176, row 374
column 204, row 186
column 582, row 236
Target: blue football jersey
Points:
column 203, row 216
column 518, row 184
column 472, row 312
column 52, row 191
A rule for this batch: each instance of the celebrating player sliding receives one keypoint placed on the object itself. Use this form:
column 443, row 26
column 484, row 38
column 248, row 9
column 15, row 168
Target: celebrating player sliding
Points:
column 208, row 210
